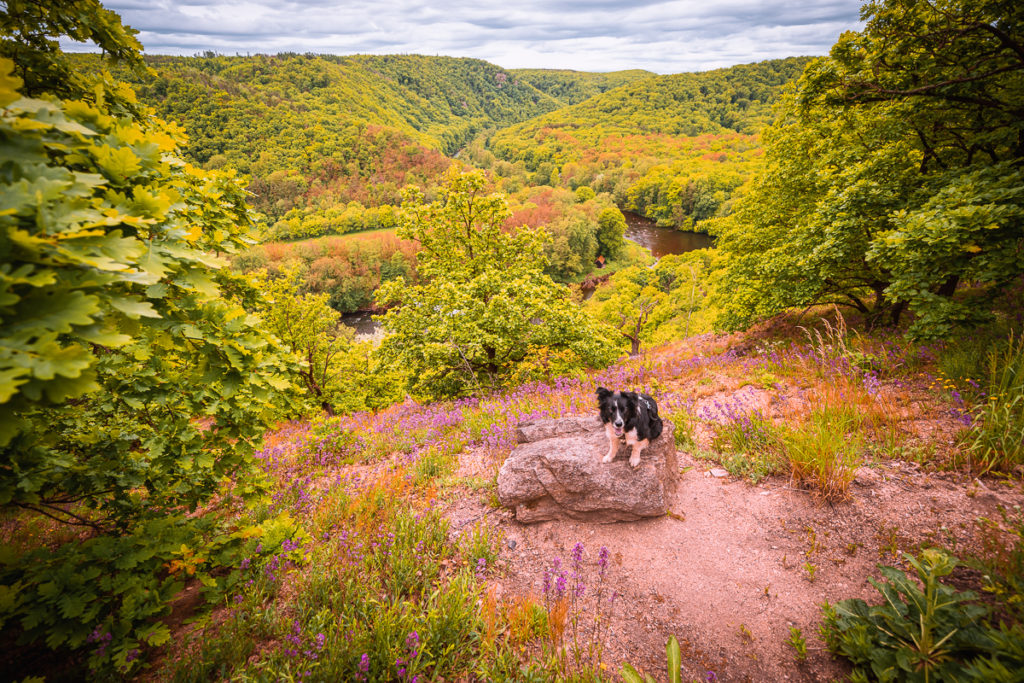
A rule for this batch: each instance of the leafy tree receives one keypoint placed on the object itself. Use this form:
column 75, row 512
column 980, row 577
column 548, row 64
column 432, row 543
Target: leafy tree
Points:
column 611, row 232
column 894, row 174
column 310, row 328
column 629, row 304
column 485, row 305
column 28, row 36
column 132, row 383
column 657, row 304
column 338, row 374
column 794, row 240
column 573, row 246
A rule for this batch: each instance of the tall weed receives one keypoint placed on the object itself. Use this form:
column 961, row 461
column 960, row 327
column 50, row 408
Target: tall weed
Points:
column 996, row 440
column 823, row 453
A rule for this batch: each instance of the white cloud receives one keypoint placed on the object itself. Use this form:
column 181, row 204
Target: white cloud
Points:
column 589, row 35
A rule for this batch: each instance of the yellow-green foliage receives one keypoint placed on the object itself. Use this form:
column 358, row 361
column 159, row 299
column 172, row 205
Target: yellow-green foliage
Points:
column 581, row 226
column 657, row 304
column 338, row 374
column 570, row 87
column 318, row 130
column 674, row 148
column 485, row 304
column 133, row 385
column 348, row 269
column 876, row 193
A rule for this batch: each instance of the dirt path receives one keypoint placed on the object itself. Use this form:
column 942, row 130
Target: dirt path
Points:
column 736, row 566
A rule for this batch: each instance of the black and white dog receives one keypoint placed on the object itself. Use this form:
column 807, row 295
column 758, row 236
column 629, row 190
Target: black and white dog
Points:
column 631, row 417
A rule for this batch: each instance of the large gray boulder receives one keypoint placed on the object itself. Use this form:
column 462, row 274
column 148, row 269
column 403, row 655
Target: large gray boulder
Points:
column 556, row 472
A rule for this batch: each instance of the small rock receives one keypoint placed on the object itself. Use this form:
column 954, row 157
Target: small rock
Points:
column 512, row 544
column 865, row 476
column 719, row 472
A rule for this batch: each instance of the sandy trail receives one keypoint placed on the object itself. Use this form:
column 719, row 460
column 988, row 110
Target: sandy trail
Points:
column 730, row 572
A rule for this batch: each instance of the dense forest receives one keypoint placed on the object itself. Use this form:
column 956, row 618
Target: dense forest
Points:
column 330, row 141
column 316, row 132
column 570, row 87
column 204, row 474
column 674, row 148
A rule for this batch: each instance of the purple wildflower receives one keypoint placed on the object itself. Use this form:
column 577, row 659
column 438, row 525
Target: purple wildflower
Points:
column 364, row 665
column 577, row 554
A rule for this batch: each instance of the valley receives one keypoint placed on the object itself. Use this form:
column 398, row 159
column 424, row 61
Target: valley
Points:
column 272, row 326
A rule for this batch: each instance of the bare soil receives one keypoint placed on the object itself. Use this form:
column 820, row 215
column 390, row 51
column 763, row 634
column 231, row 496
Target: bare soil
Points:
column 735, row 566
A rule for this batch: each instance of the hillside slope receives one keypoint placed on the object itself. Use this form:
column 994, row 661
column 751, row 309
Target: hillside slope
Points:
column 438, row 101
column 674, row 148
column 322, row 131
column 571, row 87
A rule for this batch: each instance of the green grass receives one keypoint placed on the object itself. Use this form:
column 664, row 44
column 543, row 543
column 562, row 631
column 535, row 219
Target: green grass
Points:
column 996, row 440
column 343, row 236
column 824, row 453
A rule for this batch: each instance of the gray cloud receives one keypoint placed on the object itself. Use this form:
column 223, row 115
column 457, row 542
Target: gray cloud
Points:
column 665, row 36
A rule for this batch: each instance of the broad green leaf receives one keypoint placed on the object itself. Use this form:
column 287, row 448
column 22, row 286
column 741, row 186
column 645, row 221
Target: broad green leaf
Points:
column 133, row 307
column 673, row 660
column 117, row 163
column 630, row 674
column 10, row 380
column 9, row 83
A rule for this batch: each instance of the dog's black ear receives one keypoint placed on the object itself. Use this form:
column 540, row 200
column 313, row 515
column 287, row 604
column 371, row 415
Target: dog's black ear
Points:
column 602, row 392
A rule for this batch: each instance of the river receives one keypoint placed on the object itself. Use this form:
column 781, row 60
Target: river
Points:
column 663, row 241
column 643, row 231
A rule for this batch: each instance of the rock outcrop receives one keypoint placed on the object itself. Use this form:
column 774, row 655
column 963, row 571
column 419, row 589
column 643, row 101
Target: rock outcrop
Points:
column 556, row 472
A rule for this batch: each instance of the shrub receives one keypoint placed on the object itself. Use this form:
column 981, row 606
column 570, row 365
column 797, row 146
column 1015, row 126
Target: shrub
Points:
column 926, row 632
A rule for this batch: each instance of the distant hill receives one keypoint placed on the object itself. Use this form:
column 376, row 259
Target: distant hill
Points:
column 438, row 101
column 316, row 131
column 738, row 99
column 328, row 139
column 675, row 148
column 571, row 87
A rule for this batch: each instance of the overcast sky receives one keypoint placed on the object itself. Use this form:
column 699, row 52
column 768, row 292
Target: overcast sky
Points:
column 587, row 35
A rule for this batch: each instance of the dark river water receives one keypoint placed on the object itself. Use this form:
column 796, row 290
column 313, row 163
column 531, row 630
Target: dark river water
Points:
column 643, row 231
column 362, row 322
column 662, row 241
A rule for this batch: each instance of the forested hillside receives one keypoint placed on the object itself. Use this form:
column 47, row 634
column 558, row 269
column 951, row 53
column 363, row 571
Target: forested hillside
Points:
column 571, row 87
column 329, row 140
column 674, row 148
column 318, row 132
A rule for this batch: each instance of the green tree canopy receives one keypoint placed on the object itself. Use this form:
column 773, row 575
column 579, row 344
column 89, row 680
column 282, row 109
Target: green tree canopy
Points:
column 485, row 306
column 132, row 384
column 894, row 174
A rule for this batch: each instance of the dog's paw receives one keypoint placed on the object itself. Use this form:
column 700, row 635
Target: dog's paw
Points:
column 634, row 461
column 608, row 458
